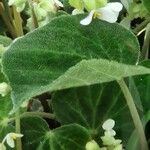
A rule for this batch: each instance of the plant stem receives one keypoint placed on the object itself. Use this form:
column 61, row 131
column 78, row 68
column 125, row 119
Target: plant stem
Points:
column 38, row 114
column 145, row 48
column 17, row 22
column 134, row 114
column 18, row 130
column 141, row 26
column 7, row 21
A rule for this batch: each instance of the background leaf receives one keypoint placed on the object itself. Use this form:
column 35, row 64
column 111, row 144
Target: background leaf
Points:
column 38, row 136
column 90, row 106
column 143, row 85
column 147, row 4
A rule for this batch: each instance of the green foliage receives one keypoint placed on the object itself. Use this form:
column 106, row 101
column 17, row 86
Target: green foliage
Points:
column 4, row 130
column 36, row 60
column 143, row 86
column 37, row 132
column 95, row 71
column 90, row 106
column 147, row 4
column 5, row 103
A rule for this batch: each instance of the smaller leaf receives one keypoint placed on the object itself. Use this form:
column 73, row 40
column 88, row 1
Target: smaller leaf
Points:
column 37, row 136
column 90, row 106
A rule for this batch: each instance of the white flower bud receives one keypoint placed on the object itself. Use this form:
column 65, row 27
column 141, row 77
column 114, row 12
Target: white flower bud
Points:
column 92, row 145
column 4, row 89
column 108, row 124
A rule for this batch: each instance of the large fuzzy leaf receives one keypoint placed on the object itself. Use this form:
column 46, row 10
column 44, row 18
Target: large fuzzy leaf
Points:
column 95, row 71
column 34, row 61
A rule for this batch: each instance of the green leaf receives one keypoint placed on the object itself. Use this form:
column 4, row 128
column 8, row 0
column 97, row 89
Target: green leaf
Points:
column 34, row 61
column 38, row 136
column 143, row 86
column 147, row 4
column 5, row 102
column 90, row 106
column 6, row 106
column 5, row 41
column 95, row 71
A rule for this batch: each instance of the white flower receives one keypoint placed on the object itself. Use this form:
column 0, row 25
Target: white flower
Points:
column 109, row 13
column 109, row 140
column 10, row 139
column 108, row 127
column 4, row 89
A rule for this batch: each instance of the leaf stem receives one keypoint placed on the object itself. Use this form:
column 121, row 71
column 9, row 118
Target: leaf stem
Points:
column 134, row 114
column 38, row 114
column 145, row 48
column 18, row 130
column 141, row 26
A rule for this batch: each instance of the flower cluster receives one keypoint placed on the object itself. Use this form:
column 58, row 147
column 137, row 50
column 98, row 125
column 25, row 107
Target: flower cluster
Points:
column 41, row 9
column 109, row 141
column 97, row 9
column 10, row 140
column 43, row 6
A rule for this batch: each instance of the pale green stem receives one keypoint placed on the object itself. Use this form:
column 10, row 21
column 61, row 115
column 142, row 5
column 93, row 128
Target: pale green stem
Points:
column 18, row 130
column 141, row 26
column 36, row 114
column 134, row 114
column 145, row 48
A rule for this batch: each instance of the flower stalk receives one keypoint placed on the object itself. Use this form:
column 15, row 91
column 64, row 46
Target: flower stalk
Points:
column 18, row 130
column 134, row 114
column 145, row 48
